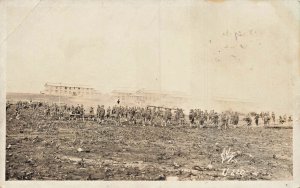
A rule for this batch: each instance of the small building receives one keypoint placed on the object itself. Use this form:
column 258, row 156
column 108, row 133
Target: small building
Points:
column 61, row 89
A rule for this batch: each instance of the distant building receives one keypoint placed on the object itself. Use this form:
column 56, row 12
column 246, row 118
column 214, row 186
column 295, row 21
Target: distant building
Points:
column 68, row 90
column 234, row 104
column 149, row 97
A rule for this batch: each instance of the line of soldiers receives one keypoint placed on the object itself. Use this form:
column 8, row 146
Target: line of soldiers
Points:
column 150, row 115
column 23, row 105
column 139, row 116
column 267, row 118
column 201, row 118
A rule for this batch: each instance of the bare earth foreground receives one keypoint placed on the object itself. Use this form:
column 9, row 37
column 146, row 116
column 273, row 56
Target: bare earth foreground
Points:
column 40, row 149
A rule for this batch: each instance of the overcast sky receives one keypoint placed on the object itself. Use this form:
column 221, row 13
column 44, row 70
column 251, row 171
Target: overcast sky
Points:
column 243, row 50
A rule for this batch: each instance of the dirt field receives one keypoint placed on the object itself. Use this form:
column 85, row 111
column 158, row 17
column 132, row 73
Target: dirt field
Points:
column 40, row 149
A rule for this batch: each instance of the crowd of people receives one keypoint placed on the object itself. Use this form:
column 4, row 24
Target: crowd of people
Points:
column 150, row 115
column 203, row 118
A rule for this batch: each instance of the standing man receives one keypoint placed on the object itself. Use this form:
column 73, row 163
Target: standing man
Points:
column 102, row 114
column 98, row 113
column 273, row 117
column 284, row 118
column 266, row 119
column 223, row 120
column 81, row 112
column 281, row 121
column 216, row 119
column 248, row 120
column 256, row 119
column 191, row 117
column 235, row 119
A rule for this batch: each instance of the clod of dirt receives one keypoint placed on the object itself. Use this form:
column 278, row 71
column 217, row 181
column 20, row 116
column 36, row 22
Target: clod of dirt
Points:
column 210, row 166
column 97, row 176
column 81, row 163
column 30, row 161
column 176, row 165
column 198, row 168
column 161, row 177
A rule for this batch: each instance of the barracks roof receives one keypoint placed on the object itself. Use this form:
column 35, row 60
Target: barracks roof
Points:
column 67, row 85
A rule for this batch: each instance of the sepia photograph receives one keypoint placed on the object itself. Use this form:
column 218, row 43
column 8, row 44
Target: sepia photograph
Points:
column 150, row 90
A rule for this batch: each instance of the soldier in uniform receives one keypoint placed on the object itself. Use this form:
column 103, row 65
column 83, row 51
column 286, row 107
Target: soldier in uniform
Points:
column 210, row 115
column 102, row 114
column 201, row 120
column 144, row 114
column 191, row 117
column 248, row 120
column 156, row 118
column 98, row 113
column 176, row 117
column 81, row 112
column 8, row 105
column 147, row 117
column 281, row 121
column 182, row 117
column 159, row 116
column 223, row 120
column 60, row 112
column 108, row 112
column 284, row 117
column 73, row 109
column 266, row 119
column 17, row 112
column 227, row 121
column 91, row 113
column 47, row 111
column 169, row 116
column 215, row 119
column 273, row 117
column 235, row 120
column 197, row 114
column 256, row 119
column 205, row 116
column 262, row 115
column 165, row 118
column 138, row 116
